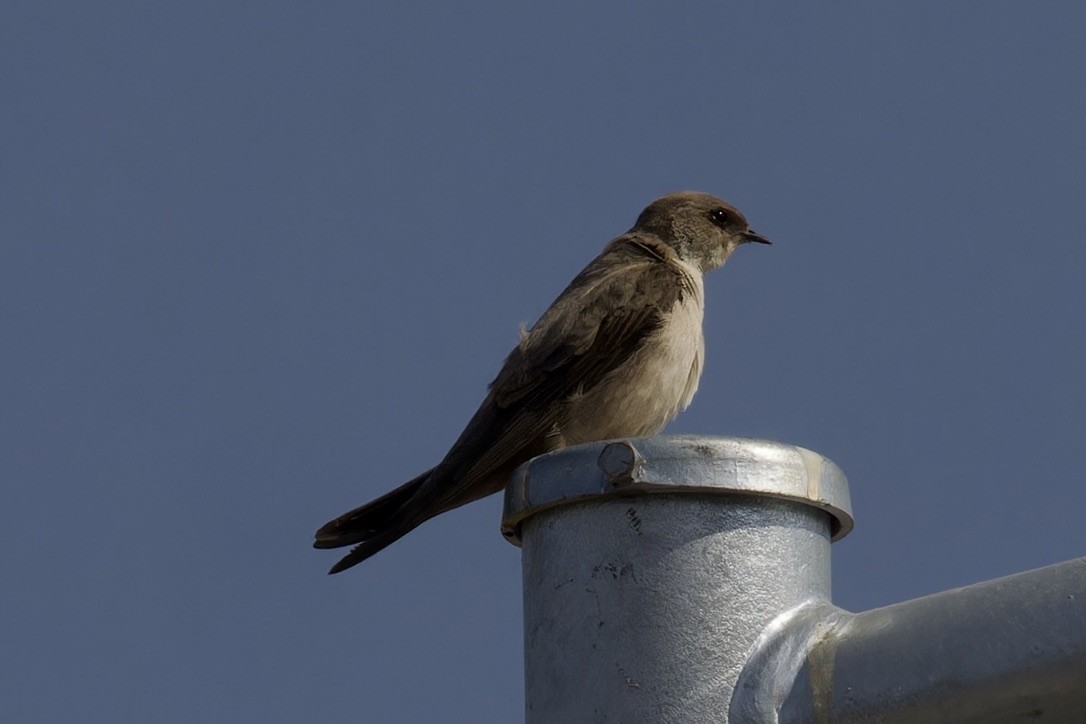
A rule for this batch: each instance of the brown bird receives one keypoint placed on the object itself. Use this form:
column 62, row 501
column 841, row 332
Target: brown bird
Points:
column 618, row 354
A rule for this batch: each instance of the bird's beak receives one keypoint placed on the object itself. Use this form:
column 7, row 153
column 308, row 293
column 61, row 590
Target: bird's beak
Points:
column 751, row 236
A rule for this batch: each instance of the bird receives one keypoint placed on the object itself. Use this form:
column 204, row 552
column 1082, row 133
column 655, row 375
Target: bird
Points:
column 618, row 354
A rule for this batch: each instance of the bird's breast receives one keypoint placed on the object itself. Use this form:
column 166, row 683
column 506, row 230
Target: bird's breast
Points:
column 653, row 385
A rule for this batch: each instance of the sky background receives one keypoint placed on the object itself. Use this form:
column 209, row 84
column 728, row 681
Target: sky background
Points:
column 258, row 262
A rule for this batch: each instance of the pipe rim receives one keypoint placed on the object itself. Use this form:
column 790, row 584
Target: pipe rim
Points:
column 677, row 464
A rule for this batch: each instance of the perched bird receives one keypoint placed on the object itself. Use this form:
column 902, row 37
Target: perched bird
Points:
column 618, row 354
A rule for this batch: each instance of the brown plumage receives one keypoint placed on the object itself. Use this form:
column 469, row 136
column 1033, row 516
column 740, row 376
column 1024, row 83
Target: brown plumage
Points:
column 618, row 354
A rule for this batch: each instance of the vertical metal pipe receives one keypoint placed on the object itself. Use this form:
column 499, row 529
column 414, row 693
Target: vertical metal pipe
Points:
column 652, row 567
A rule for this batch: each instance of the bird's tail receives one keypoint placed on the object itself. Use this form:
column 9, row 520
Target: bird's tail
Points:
column 372, row 526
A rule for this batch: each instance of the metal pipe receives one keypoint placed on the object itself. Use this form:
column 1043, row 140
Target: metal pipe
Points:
column 1008, row 650
column 652, row 566
column 687, row 579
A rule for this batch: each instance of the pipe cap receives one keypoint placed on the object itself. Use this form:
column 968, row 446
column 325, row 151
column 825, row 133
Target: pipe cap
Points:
column 677, row 464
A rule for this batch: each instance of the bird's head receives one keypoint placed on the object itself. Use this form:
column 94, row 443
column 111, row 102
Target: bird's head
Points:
column 702, row 229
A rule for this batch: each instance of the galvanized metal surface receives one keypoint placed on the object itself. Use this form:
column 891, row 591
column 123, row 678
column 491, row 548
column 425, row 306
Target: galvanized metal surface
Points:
column 677, row 464
column 687, row 580
column 1008, row 650
column 640, row 610
column 644, row 607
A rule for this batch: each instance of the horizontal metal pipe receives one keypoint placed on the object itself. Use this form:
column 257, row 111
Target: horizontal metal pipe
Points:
column 1008, row 650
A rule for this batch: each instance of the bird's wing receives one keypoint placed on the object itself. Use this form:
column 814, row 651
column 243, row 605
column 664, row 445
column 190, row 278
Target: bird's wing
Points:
column 594, row 326
column 602, row 318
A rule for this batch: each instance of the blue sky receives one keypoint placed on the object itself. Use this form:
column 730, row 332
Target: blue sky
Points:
column 258, row 263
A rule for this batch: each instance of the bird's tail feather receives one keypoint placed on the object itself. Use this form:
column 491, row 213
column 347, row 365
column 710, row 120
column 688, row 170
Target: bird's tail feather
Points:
column 372, row 526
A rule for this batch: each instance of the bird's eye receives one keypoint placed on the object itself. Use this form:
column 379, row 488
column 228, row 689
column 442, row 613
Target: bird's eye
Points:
column 720, row 217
